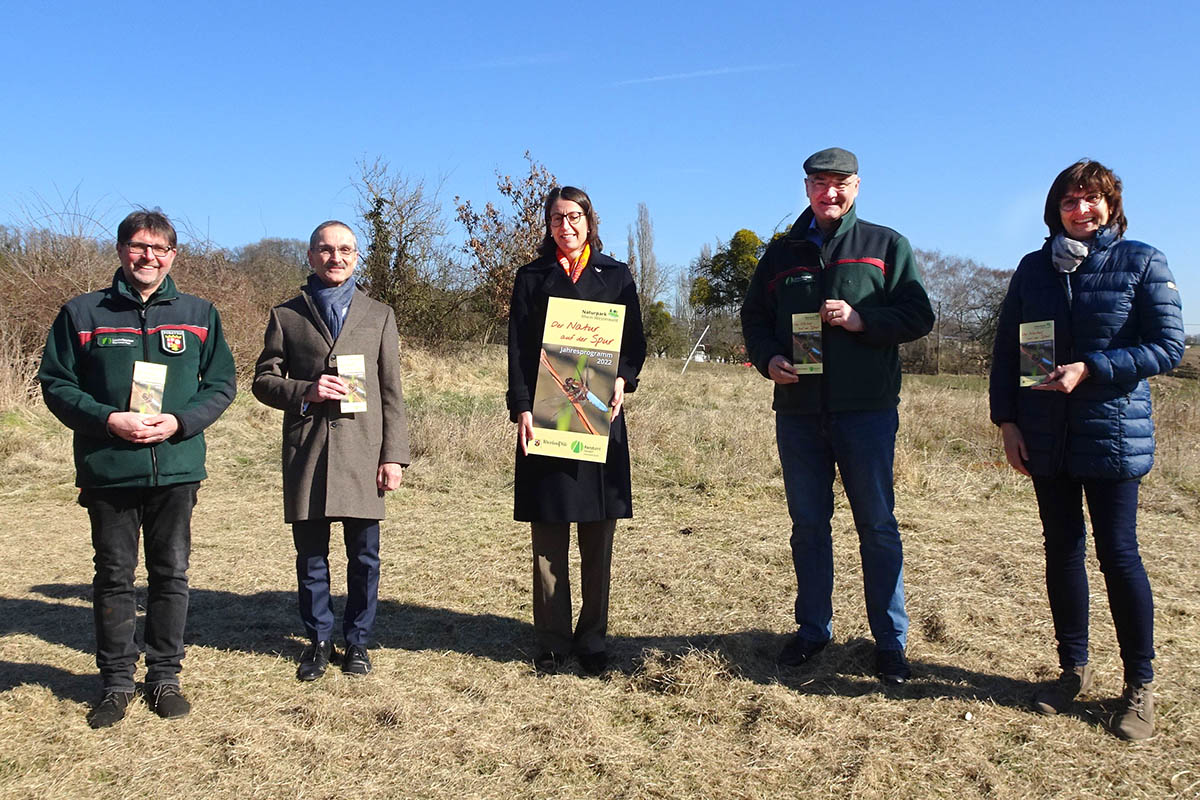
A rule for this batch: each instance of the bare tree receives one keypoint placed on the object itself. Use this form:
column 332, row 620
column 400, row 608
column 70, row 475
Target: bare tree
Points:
column 408, row 263
column 966, row 296
column 500, row 242
column 631, row 259
column 651, row 284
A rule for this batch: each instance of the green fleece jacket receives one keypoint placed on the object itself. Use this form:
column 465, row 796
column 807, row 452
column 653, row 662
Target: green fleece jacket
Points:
column 87, row 373
column 870, row 267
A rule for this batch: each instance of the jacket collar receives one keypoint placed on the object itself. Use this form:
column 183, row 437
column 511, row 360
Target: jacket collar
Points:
column 799, row 229
column 1104, row 239
column 353, row 315
column 557, row 282
column 166, row 290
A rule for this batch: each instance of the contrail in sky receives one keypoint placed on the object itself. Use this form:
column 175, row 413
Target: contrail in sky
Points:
column 706, row 73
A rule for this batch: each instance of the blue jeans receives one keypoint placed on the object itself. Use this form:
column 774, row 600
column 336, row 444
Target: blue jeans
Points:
column 861, row 444
column 163, row 514
column 361, row 537
column 1113, row 508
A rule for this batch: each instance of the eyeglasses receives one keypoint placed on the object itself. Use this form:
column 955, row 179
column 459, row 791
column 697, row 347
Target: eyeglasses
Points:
column 573, row 218
column 139, row 248
column 825, row 184
column 345, row 251
column 1070, row 203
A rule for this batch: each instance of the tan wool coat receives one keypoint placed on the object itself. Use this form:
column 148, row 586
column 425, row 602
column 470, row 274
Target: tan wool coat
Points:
column 330, row 458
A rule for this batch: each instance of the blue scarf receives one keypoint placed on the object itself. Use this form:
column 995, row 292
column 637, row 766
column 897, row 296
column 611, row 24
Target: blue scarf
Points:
column 332, row 301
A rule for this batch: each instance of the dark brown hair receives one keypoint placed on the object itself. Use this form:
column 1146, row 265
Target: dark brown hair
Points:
column 1087, row 176
column 152, row 219
column 579, row 196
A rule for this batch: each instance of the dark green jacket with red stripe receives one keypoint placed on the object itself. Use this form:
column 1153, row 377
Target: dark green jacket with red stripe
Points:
column 870, row 267
column 87, row 373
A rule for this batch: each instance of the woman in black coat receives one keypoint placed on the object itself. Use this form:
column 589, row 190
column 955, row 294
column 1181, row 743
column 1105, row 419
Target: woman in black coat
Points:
column 550, row 492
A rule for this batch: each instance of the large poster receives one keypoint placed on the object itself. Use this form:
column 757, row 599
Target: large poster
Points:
column 577, row 370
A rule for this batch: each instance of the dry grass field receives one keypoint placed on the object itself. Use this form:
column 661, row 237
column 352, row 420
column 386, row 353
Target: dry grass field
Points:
column 701, row 601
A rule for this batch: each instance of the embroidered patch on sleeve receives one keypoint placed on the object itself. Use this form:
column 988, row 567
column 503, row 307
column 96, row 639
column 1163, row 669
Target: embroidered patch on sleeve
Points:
column 173, row 341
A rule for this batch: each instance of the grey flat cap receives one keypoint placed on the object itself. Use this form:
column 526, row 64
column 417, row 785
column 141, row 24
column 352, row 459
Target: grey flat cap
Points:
column 831, row 159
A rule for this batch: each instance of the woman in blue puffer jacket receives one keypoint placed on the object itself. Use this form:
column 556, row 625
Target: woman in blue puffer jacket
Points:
column 1077, row 418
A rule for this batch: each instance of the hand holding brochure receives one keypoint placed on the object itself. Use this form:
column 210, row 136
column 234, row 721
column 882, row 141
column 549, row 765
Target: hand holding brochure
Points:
column 577, row 370
column 1037, row 352
column 806, row 344
column 146, row 393
column 353, row 370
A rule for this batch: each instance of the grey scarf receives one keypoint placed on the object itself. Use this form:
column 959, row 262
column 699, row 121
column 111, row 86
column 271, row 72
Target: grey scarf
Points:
column 332, row 301
column 1067, row 253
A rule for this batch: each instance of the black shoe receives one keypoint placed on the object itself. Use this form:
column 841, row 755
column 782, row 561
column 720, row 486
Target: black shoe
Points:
column 799, row 651
column 168, row 702
column 892, row 667
column 355, row 661
column 314, row 660
column 110, row 710
column 548, row 663
column 594, row 663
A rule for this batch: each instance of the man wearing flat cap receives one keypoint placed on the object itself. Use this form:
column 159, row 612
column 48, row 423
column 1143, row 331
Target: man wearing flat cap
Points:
column 827, row 307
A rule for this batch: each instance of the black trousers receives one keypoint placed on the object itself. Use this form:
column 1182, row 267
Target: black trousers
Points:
column 552, row 587
column 163, row 515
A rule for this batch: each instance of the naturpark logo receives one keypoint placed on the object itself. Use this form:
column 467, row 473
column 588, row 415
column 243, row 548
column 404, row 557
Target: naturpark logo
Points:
column 576, row 446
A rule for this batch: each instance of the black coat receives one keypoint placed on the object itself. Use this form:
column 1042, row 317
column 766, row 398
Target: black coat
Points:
column 546, row 488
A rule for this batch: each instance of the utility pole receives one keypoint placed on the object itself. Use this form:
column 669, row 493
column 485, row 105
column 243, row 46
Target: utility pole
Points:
column 689, row 358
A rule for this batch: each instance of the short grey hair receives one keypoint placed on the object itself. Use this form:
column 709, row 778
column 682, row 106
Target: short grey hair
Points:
column 329, row 223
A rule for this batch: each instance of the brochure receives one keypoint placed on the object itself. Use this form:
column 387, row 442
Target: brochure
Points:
column 578, row 368
column 353, row 370
column 806, row 343
column 146, row 394
column 1037, row 351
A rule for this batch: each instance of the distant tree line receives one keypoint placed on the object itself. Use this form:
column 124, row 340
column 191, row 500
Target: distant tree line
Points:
column 448, row 288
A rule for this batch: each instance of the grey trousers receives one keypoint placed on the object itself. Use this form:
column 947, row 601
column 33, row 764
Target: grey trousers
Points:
column 552, row 586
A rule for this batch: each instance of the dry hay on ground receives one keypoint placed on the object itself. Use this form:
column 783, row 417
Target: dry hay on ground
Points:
column 694, row 707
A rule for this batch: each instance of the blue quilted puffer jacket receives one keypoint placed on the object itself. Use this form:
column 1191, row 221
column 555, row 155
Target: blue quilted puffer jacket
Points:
column 1120, row 314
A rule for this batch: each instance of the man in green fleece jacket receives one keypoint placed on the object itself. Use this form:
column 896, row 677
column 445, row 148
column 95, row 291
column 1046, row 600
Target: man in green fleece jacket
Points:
column 825, row 311
column 139, row 451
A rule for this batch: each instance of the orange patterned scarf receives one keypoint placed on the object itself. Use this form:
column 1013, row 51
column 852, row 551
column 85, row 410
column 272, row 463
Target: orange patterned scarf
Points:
column 575, row 270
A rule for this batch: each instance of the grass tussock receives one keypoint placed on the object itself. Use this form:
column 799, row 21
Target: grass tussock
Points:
column 694, row 705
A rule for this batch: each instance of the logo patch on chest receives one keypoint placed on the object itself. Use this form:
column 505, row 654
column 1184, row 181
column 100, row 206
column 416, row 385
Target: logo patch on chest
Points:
column 116, row 340
column 173, row 341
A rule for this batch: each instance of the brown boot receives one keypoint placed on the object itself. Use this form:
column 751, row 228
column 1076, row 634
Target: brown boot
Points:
column 1057, row 697
column 1136, row 720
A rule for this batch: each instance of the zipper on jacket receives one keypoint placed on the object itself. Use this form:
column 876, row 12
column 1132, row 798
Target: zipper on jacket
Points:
column 1064, row 358
column 146, row 357
column 824, row 345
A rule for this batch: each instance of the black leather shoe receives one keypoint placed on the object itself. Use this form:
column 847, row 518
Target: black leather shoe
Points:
column 892, row 667
column 593, row 663
column 798, row 651
column 314, row 660
column 356, row 661
column 168, row 702
column 548, row 663
column 110, row 710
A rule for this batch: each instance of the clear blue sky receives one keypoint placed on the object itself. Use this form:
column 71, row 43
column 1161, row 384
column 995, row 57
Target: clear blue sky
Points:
column 247, row 120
